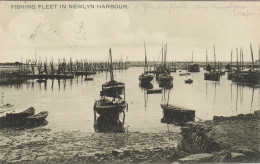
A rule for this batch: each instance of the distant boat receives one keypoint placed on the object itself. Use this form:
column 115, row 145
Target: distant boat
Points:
column 189, row 81
column 145, row 77
column 151, row 91
column 212, row 75
column 41, row 81
column 88, row 78
column 184, row 74
column 164, row 75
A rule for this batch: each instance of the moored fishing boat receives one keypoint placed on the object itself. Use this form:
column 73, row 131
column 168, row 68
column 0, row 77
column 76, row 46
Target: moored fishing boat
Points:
column 108, row 107
column 16, row 119
column 174, row 114
column 188, row 81
column 145, row 77
column 111, row 105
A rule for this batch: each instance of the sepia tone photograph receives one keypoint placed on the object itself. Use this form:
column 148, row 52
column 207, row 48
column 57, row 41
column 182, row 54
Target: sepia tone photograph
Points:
column 162, row 82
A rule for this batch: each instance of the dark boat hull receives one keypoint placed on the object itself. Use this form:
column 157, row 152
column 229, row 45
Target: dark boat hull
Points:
column 173, row 114
column 110, row 108
column 112, row 89
column 16, row 119
column 37, row 119
column 145, row 78
column 88, row 79
column 212, row 76
column 151, row 91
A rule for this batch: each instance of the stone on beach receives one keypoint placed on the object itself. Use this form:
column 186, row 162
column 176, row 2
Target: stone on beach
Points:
column 203, row 157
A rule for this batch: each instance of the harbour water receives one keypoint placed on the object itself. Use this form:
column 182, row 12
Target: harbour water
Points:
column 70, row 102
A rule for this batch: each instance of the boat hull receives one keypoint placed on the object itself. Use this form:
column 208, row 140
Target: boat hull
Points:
column 145, row 78
column 173, row 114
column 37, row 119
column 212, row 76
column 110, row 109
column 151, row 91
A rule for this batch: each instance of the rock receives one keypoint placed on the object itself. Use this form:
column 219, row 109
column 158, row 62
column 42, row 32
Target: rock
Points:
column 203, row 157
column 175, row 163
column 237, row 157
column 246, row 151
column 116, row 153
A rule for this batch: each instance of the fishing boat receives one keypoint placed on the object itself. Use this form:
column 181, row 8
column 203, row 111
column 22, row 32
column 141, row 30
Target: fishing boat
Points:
column 145, row 77
column 184, row 74
column 174, row 114
column 193, row 67
column 107, row 107
column 112, row 88
column 164, row 75
column 89, row 78
column 16, row 119
column 37, row 119
column 146, row 85
column 21, row 115
column 41, row 81
column 111, row 104
column 212, row 75
column 188, row 81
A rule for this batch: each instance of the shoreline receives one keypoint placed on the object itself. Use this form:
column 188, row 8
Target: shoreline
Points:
column 224, row 139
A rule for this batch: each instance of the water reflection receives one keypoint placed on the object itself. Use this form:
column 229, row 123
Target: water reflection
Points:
column 105, row 124
column 73, row 109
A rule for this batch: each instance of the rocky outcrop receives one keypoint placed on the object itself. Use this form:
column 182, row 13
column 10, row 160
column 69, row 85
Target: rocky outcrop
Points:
column 197, row 138
column 228, row 139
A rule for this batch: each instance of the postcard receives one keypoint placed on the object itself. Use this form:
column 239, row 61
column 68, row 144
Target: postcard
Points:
column 129, row 81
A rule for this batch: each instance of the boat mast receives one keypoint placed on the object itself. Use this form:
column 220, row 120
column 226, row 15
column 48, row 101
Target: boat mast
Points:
column 165, row 52
column 162, row 53
column 237, row 60
column 215, row 57
column 145, row 62
column 231, row 59
column 111, row 65
column 206, row 58
column 192, row 57
column 252, row 55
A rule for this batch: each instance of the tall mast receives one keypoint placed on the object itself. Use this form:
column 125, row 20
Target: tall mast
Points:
column 242, row 58
column 111, row 65
column 145, row 62
column 192, row 57
column 206, row 58
column 237, row 60
column 165, row 52
column 215, row 57
column 162, row 53
column 231, row 59
column 252, row 55
column 259, row 55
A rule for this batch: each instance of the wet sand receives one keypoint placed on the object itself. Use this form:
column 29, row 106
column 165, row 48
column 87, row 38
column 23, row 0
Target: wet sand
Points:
column 42, row 145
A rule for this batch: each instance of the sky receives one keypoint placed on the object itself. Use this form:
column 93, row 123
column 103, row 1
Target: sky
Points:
column 185, row 27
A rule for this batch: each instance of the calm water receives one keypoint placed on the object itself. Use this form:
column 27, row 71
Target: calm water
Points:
column 70, row 102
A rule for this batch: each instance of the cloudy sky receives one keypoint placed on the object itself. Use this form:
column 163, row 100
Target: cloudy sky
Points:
column 89, row 33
